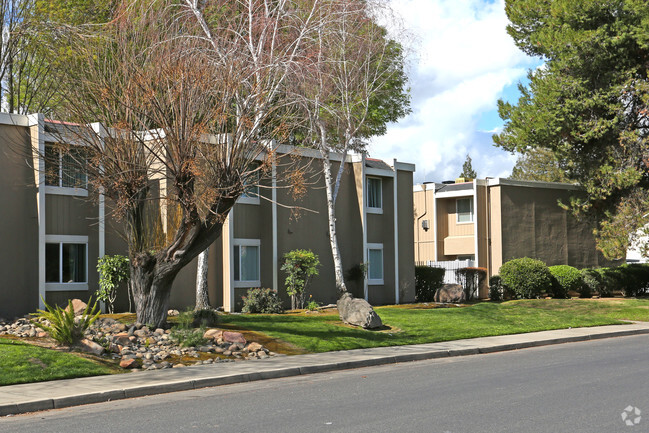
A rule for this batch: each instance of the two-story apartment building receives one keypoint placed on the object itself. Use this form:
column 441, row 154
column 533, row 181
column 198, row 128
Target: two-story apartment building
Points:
column 490, row 221
column 53, row 229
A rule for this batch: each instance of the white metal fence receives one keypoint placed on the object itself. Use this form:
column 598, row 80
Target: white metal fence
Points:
column 450, row 276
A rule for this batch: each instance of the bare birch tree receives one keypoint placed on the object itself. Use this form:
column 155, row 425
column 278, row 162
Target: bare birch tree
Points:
column 184, row 91
column 354, row 84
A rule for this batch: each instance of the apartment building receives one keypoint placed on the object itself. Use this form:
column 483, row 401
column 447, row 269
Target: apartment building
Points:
column 486, row 222
column 53, row 229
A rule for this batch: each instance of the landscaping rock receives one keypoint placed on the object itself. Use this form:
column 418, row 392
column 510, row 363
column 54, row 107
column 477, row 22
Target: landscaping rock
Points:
column 90, row 347
column 78, row 306
column 233, row 337
column 213, row 334
column 254, row 347
column 450, row 293
column 358, row 312
column 128, row 362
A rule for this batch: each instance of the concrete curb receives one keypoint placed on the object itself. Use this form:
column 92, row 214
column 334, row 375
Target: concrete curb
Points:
column 17, row 399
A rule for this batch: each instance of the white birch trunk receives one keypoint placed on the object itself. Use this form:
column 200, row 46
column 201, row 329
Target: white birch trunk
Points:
column 333, row 239
column 202, row 297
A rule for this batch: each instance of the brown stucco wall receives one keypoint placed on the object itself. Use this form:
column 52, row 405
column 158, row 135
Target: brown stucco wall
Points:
column 406, row 236
column 533, row 225
column 18, row 225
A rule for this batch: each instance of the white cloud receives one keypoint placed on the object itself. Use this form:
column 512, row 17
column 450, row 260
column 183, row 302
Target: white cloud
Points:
column 466, row 59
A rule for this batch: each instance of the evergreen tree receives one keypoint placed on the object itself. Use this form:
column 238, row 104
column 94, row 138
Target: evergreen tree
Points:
column 541, row 165
column 467, row 169
column 588, row 105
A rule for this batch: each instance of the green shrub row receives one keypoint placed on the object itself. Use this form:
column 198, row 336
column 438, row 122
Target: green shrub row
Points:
column 427, row 281
column 528, row 278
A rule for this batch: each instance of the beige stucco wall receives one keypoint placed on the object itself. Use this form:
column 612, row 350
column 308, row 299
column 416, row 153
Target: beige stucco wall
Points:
column 19, row 224
column 424, row 240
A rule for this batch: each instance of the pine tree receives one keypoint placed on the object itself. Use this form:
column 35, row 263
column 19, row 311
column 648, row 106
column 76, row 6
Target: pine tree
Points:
column 467, row 169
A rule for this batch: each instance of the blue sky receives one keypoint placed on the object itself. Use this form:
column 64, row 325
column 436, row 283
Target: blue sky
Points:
column 463, row 61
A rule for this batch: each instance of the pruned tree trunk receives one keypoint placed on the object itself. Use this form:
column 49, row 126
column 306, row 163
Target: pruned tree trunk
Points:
column 151, row 293
column 202, row 296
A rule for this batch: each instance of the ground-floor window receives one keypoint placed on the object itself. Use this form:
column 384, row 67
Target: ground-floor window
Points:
column 374, row 263
column 66, row 262
column 246, row 260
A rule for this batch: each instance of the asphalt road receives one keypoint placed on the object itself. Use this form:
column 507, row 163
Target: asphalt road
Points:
column 577, row 387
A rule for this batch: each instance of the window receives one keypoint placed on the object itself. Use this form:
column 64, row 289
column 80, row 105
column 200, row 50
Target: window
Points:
column 246, row 262
column 464, row 210
column 65, row 169
column 374, row 195
column 66, row 262
column 250, row 193
column 374, row 263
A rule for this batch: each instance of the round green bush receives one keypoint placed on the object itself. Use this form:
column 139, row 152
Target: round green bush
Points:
column 592, row 283
column 566, row 279
column 526, row 278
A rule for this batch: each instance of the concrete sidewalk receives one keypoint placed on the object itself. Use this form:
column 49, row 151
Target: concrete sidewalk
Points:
column 15, row 399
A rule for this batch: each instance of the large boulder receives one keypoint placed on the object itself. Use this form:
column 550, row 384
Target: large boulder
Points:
column 357, row 312
column 450, row 294
column 78, row 306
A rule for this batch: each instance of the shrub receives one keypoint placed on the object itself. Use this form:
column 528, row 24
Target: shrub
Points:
column 300, row 266
column 427, row 281
column 566, row 278
column 112, row 271
column 312, row 305
column 633, row 278
column 185, row 333
column 64, row 327
column 609, row 279
column 496, row 288
column 472, row 279
column 591, row 283
column 263, row 301
column 205, row 318
column 526, row 278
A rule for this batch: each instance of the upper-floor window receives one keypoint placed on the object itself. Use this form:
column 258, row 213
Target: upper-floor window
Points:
column 65, row 169
column 250, row 194
column 374, row 193
column 464, row 210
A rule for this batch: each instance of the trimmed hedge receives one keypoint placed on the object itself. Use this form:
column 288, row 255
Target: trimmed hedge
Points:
column 592, row 283
column 427, row 281
column 527, row 278
column 566, row 278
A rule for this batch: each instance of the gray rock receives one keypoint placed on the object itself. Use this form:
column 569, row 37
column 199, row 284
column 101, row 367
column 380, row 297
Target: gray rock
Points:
column 450, row 293
column 358, row 312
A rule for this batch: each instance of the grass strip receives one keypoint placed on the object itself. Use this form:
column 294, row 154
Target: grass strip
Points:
column 419, row 324
column 24, row 363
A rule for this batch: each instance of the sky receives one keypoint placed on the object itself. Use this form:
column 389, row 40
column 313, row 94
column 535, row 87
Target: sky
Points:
column 463, row 62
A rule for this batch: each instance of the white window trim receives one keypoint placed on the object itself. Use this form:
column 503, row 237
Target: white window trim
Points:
column 375, row 282
column 239, row 242
column 457, row 211
column 65, row 287
column 375, row 210
column 64, row 190
column 248, row 200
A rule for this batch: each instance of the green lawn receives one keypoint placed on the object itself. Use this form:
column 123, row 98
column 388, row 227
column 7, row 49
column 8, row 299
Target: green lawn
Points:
column 23, row 363
column 412, row 325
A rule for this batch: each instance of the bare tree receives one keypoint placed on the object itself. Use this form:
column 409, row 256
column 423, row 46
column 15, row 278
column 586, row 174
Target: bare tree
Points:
column 353, row 85
column 185, row 93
